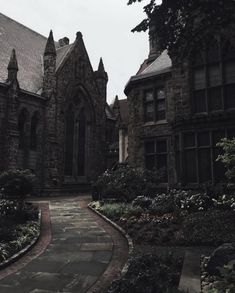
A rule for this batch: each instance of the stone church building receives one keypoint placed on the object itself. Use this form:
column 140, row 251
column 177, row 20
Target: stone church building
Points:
column 53, row 109
column 180, row 108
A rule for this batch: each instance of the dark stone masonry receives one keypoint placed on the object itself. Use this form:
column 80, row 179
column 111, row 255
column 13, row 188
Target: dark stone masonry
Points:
column 52, row 109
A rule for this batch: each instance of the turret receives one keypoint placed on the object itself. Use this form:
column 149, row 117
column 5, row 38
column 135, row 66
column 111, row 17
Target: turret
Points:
column 49, row 65
column 102, row 79
column 12, row 67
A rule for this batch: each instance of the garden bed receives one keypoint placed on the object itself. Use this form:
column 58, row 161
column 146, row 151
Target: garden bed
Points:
column 150, row 272
column 17, row 228
column 211, row 227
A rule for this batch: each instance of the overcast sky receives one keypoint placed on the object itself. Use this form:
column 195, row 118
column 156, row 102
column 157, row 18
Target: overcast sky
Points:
column 106, row 27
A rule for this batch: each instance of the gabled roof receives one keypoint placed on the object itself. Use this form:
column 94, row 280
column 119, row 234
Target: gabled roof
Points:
column 159, row 66
column 163, row 62
column 29, row 47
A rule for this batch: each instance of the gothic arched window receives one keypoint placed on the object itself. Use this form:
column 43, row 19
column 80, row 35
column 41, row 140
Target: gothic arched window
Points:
column 81, row 143
column 34, row 131
column 213, row 77
column 22, row 119
column 69, row 141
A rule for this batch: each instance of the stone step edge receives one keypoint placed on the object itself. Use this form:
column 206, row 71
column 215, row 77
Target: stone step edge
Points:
column 123, row 232
column 26, row 249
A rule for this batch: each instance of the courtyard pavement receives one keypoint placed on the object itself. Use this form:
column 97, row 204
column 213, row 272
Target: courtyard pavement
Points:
column 84, row 255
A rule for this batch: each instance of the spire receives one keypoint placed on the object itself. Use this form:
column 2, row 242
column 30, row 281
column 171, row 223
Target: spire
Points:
column 101, row 66
column 50, row 45
column 13, row 65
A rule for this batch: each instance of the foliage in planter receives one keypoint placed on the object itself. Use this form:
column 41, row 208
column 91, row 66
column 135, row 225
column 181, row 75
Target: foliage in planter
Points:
column 113, row 210
column 19, row 237
column 149, row 273
column 13, row 208
column 16, row 183
column 126, row 183
column 209, row 228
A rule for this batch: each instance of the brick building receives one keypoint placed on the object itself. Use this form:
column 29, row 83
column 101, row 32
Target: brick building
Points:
column 180, row 108
column 52, row 108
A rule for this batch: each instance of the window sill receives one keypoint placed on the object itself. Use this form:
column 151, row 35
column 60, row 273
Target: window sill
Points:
column 159, row 122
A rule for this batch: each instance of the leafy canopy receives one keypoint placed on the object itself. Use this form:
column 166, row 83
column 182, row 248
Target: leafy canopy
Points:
column 176, row 21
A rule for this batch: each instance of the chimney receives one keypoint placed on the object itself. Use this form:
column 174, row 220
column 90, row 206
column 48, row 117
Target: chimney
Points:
column 63, row 42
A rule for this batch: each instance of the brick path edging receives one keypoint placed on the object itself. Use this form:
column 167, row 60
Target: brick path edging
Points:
column 124, row 233
column 24, row 250
column 37, row 249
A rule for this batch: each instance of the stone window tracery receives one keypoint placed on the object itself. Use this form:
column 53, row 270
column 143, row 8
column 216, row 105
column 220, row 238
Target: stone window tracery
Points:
column 154, row 105
column 213, row 77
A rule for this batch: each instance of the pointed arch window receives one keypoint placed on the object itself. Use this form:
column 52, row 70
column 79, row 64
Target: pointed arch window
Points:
column 34, row 131
column 22, row 119
column 214, row 77
column 69, row 141
column 81, row 143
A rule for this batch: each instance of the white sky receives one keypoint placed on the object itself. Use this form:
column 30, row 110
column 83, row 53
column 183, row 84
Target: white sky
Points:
column 106, row 27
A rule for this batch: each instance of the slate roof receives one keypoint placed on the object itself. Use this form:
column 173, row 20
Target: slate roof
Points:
column 163, row 62
column 160, row 65
column 29, row 46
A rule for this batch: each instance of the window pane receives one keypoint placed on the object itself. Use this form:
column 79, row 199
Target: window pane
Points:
column 161, row 112
column 160, row 94
column 200, row 101
column 228, row 51
column 149, row 147
column 230, row 72
column 149, row 112
column 199, row 78
column 213, row 52
column 215, row 99
column 217, row 135
column 189, row 140
column 190, row 166
column 230, row 96
column 162, row 164
column 197, row 58
column 203, row 139
column 204, row 165
column 162, row 146
column 214, row 75
column 149, row 96
column 150, row 162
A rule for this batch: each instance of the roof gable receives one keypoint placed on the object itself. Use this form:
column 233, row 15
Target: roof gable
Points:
column 29, row 47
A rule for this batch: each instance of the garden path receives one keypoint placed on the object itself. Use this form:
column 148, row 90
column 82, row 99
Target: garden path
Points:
column 85, row 254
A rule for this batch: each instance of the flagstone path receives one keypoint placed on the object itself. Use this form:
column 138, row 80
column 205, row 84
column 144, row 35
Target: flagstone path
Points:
column 84, row 255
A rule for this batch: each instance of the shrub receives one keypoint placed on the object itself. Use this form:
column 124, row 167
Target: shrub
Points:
column 228, row 157
column 142, row 201
column 224, row 202
column 113, row 210
column 16, row 183
column 126, row 183
column 149, row 273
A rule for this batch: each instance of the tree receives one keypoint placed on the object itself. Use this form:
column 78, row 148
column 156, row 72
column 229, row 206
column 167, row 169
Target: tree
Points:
column 228, row 157
column 179, row 22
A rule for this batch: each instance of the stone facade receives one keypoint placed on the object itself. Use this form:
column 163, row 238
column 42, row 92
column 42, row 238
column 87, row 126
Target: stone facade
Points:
column 52, row 119
column 180, row 108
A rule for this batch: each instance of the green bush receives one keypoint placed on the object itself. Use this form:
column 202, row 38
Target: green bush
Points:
column 228, row 157
column 113, row 210
column 20, row 235
column 16, row 183
column 150, row 273
column 126, row 183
